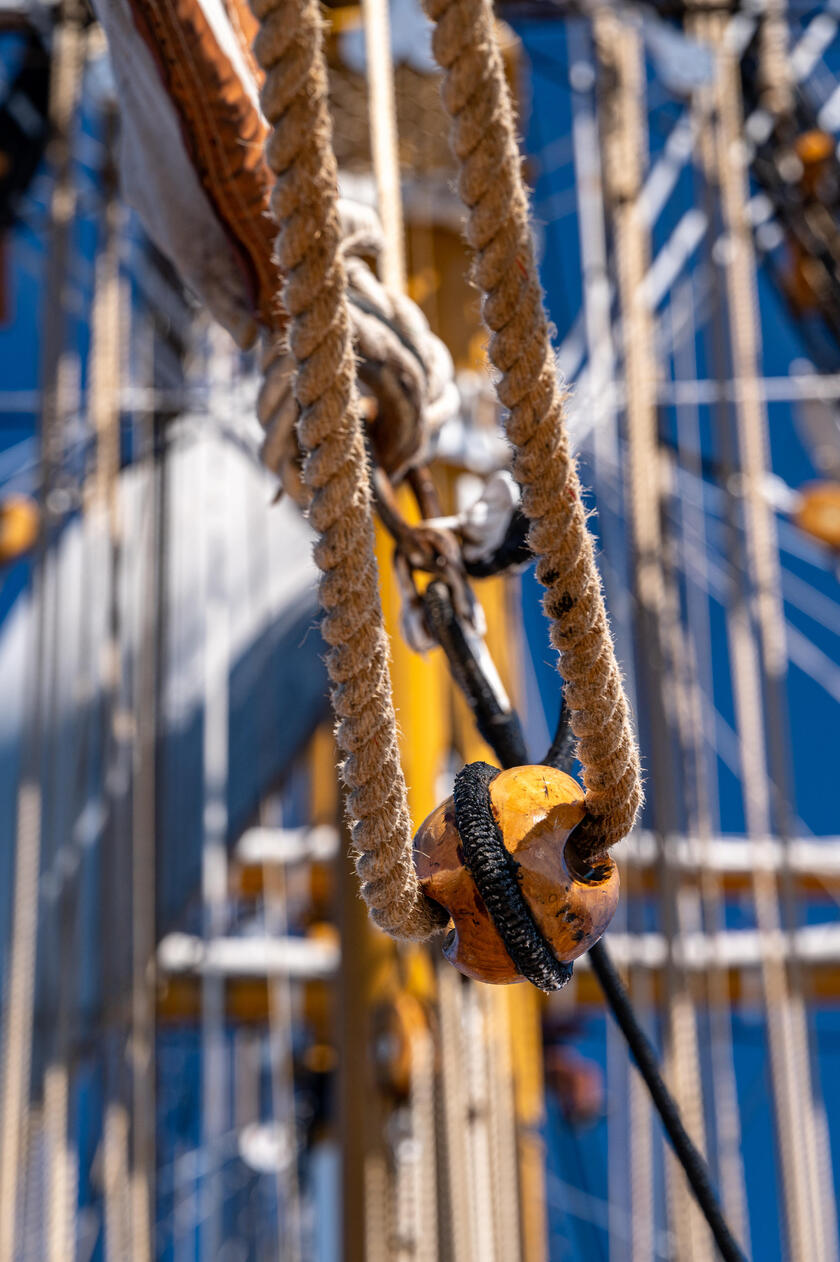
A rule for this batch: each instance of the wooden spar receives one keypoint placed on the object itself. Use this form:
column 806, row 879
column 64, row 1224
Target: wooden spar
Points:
column 619, row 47
column 151, row 612
column 415, row 1214
column 382, row 119
column 629, row 1154
column 68, row 57
column 725, row 174
column 213, row 495
column 280, row 1034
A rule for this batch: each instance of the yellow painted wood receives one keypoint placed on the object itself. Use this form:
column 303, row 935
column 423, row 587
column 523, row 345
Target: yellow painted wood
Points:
column 421, row 691
column 524, row 1005
column 324, row 805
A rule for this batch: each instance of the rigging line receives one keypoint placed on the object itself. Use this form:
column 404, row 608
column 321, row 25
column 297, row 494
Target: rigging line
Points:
column 690, row 1158
column 643, row 1053
column 68, row 55
column 662, row 177
column 798, row 593
column 619, row 53
column 204, row 1207
column 661, row 180
column 724, row 1091
column 629, row 1148
column 802, row 652
column 813, row 661
column 716, row 579
column 613, row 1218
column 756, row 670
column 795, row 543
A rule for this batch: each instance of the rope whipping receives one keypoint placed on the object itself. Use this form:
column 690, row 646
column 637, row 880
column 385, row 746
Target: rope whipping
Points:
column 476, row 96
column 304, row 202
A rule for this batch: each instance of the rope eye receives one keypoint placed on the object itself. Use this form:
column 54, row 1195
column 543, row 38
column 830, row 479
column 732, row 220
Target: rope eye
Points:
column 495, row 857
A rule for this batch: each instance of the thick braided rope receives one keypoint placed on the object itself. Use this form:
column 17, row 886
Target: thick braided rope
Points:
column 304, row 203
column 483, row 138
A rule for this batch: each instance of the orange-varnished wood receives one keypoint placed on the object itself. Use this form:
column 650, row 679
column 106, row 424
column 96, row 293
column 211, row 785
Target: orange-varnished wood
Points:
column 536, row 809
column 819, row 512
column 18, row 527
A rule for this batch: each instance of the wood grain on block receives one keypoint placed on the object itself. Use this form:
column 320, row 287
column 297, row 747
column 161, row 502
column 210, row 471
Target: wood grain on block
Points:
column 536, row 809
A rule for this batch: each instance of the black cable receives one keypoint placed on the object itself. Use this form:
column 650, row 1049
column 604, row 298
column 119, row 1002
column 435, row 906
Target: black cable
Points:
column 500, row 728
column 560, row 752
column 513, row 550
column 643, row 1053
column 689, row 1156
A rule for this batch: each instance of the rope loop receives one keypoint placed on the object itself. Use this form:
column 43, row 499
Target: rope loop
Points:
column 329, row 430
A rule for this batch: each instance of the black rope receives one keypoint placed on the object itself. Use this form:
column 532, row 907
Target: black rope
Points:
column 494, row 871
column 643, row 1053
column 500, row 728
column 561, row 750
column 513, row 550
column 689, row 1156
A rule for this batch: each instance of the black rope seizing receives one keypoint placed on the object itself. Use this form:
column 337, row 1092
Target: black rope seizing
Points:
column 494, row 871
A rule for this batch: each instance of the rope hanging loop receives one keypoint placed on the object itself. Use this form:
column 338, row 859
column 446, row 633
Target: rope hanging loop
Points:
column 500, row 857
column 335, row 473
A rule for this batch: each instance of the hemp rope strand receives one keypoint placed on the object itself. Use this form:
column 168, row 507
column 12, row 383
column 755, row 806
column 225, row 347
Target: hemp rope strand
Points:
column 304, row 200
column 483, row 138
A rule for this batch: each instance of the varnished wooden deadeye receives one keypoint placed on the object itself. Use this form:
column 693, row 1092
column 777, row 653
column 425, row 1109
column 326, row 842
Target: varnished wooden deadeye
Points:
column 531, row 814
